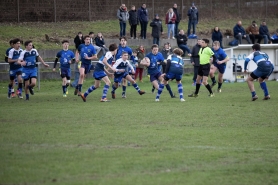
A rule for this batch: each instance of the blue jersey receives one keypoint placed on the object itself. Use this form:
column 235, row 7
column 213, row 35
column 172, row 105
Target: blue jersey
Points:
column 7, row 54
column 176, row 66
column 257, row 57
column 121, row 64
column 65, row 57
column 220, row 55
column 121, row 50
column 153, row 68
column 14, row 54
column 29, row 57
column 100, row 65
column 84, row 50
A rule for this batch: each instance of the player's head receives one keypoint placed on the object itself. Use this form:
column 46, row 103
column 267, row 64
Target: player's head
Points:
column 124, row 55
column 113, row 48
column 91, row 34
column 199, row 41
column 204, row 43
column 216, row 45
column 134, row 52
column 123, row 41
column 28, row 45
column 87, row 39
column 178, row 51
column 256, row 47
column 154, row 49
column 65, row 44
column 16, row 43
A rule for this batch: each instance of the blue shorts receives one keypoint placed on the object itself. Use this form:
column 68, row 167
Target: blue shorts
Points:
column 87, row 67
column 221, row 67
column 98, row 75
column 65, row 72
column 14, row 72
column 155, row 76
column 172, row 76
column 28, row 73
column 263, row 70
column 118, row 78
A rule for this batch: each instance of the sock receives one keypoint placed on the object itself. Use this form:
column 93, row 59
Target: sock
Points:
column 27, row 96
column 64, row 89
column 219, row 85
column 159, row 91
column 170, row 90
column 79, row 87
column 91, row 89
column 213, row 79
column 180, row 89
column 20, row 87
column 209, row 89
column 253, row 93
column 76, row 87
column 10, row 89
column 136, row 87
column 197, row 88
column 264, row 88
column 124, row 88
column 67, row 85
column 153, row 88
column 104, row 92
column 113, row 89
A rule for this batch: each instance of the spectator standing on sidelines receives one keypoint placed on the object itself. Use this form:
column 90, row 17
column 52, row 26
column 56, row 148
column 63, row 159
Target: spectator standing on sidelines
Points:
column 239, row 33
column 99, row 40
column 133, row 21
column 263, row 71
column 178, row 19
column 195, row 60
column 170, row 20
column 264, row 32
column 193, row 18
column 140, row 68
column 217, row 36
column 78, row 39
column 123, row 16
column 182, row 42
column 157, row 29
column 143, row 16
column 254, row 34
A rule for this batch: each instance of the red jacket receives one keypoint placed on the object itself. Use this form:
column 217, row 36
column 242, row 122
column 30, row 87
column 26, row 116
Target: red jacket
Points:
column 173, row 20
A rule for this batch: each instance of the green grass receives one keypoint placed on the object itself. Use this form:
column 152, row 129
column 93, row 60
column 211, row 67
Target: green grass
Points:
column 67, row 30
column 222, row 140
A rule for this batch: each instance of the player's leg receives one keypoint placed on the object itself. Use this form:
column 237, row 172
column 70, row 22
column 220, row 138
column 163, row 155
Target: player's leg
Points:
column 115, row 85
column 64, row 87
column 264, row 88
column 134, row 84
column 124, row 83
column 206, row 70
column 212, row 76
column 33, row 80
column 26, row 88
column 250, row 82
column 80, row 81
column 10, row 86
column 161, row 79
column 221, row 70
column 20, row 82
column 161, row 86
column 198, row 82
column 105, row 89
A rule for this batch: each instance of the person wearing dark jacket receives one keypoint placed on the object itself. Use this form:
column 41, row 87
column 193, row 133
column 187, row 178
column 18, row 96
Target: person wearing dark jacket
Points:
column 178, row 18
column 181, row 41
column 195, row 60
column 78, row 39
column 239, row 33
column 144, row 19
column 263, row 30
column 166, row 51
column 99, row 40
column 157, row 29
column 193, row 18
column 217, row 36
column 133, row 21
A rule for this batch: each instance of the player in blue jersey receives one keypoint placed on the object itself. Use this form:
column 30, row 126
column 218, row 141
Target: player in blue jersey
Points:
column 65, row 57
column 27, row 59
column 263, row 71
column 100, row 73
column 87, row 53
column 219, row 65
column 155, row 59
column 121, row 72
column 174, row 70
column 123, row 48
column 15, row 68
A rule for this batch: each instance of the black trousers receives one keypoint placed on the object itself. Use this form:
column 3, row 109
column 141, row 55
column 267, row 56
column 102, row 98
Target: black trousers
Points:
column 133, row 30
column 254, row 37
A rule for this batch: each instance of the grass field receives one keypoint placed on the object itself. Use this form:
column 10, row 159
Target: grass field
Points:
column 227, row 139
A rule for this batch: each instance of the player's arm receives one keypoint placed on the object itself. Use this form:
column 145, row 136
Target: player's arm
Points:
column 247, row 60
column 55, row 63
column 41, row 60
column 10, row 60
column 145, row 61
column 20, row 59
column 131, row 67
column 168, row 64
column 225, row 60
column 116, row 65
column 108, row 65
column 92, row 57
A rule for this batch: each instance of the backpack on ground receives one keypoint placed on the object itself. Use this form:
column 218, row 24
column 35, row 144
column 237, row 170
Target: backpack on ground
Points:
column 233, row 42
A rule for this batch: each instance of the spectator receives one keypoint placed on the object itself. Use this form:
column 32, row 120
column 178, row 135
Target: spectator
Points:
column 263, row 30
column 166, row 51
column 157, row 29
column 217, row 36
column 123, row 16
column 140, row 68
column 181, row 41
column 239, row 33
column 144, row 19
column 78, row 39
column 253, row 31
column 274, row 38
column 170, row 20
column 99, row 40
column 195, row 60
column 193, row 17
column 92, row 41
column 178, row 18
column 133, row 21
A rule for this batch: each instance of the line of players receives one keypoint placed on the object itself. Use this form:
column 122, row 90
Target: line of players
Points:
column 115, row 63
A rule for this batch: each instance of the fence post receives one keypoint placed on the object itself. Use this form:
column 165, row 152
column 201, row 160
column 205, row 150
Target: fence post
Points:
column 89, row 10
column 239, row 8
column 55, row 11
column 17, row 10
column 153, row 8
column 182, row 10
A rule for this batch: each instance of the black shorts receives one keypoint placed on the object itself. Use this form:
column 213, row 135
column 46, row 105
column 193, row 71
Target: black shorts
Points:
column 204, row 70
